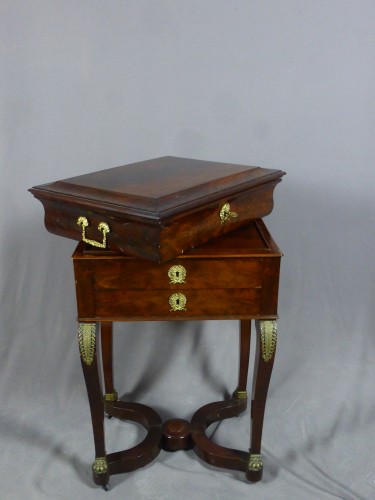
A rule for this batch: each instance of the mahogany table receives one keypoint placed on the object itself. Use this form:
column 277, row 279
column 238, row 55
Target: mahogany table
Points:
column 235, row 276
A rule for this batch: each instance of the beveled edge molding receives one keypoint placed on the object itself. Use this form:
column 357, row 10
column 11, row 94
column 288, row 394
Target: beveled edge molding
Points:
column 100, row 466
column 255, row 462
column 86, row 341
column 268, row 338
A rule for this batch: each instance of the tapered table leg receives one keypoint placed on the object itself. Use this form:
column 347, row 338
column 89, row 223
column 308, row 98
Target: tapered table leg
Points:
column 106, row 330
column 245, row 337
column 264, row 358
column 87, row 340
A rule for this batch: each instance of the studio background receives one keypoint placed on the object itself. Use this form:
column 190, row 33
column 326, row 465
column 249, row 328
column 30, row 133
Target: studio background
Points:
column 285, row 84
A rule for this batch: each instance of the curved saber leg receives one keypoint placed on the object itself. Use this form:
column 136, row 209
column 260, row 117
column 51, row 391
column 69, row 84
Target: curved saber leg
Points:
column 264, row 359
column 87, row 340
column 106, row 337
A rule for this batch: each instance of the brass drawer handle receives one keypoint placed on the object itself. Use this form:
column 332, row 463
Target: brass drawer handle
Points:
column 177, row 301
column 82, row 221
column 226, row 214
column 177, row 274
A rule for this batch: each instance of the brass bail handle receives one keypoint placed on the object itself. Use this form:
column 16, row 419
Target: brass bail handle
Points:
column 225, row 213
column 103, row 227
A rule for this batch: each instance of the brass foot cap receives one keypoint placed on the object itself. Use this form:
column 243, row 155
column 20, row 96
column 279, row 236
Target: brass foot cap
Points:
column 254, row 470
column 240, row 394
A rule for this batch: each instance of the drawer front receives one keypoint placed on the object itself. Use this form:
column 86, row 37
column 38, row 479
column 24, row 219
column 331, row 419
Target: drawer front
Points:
column 170, row 304
column 180, row 273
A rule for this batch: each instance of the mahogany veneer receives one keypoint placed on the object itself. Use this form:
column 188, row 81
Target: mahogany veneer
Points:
column 233, row 277
column 158, row 209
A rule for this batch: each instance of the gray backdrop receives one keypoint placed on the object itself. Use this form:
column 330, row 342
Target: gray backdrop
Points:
column 286, row 84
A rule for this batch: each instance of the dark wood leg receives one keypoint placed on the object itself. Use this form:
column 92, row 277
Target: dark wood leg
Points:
column 210, row 452
column 264, row 359
column 245, row 337
column 149, row 448
column 87, row 340
column 127, row 460
column 106, row 330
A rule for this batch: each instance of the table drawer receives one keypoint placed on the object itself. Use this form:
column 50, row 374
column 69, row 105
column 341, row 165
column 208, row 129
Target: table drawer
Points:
column 171, row 304
column 181, row 273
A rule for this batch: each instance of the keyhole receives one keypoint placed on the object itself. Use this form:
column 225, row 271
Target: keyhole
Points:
column 177, row 302
column 177, row 274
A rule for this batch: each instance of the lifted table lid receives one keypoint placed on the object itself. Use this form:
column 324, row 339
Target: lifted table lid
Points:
column 157, row 208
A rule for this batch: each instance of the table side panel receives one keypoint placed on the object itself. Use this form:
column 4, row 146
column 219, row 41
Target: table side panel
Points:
column 126, row 236
column 199, row 227
column 85, row 290
column 270, row 286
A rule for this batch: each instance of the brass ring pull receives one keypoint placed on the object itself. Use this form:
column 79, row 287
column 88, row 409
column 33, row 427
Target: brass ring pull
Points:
column 226, row 214
column 103, row 227
column 177, row 301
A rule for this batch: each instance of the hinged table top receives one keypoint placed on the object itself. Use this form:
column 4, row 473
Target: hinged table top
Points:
column 162, row 186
